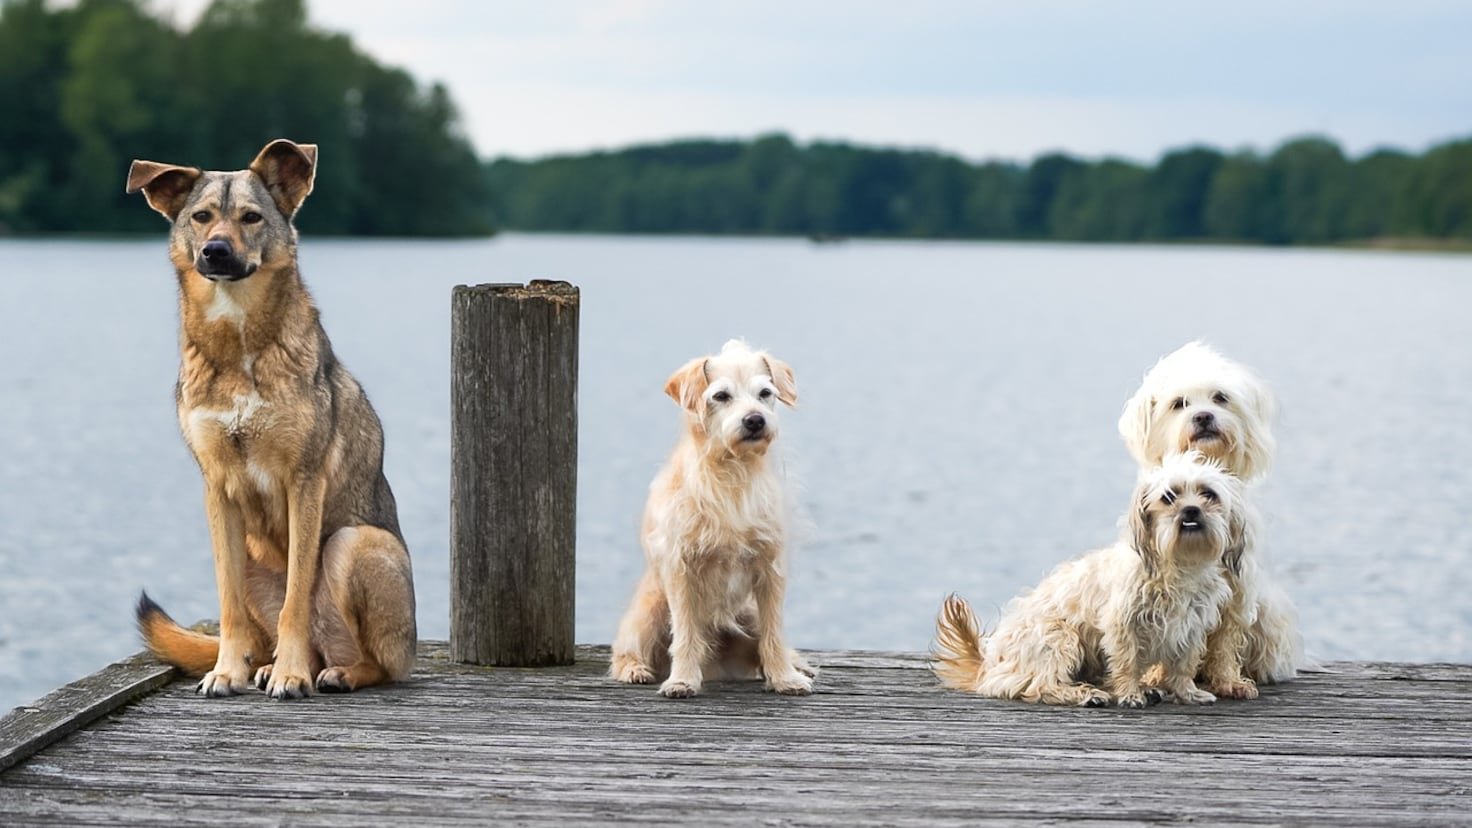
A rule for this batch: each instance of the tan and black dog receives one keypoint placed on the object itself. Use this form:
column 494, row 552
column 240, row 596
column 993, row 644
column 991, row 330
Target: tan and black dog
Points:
column 315, row 587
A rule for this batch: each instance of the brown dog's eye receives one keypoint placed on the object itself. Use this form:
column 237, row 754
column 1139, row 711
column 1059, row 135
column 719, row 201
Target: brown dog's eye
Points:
column 1178, row 403
column 202, row 216
column 1208, row 495
column 1219, row 398
column 250, row 217
column 721, row 396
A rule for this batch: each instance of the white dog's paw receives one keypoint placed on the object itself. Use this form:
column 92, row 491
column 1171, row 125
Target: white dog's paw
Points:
column 219, row 683
column 675, row 688
column 793, row 684
column 1195, row 696
column 632, row 672
column 801, row 665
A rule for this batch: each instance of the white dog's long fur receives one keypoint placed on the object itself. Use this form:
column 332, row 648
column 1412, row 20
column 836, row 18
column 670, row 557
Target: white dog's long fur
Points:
column 714, row 534
column 1195, row 398
column 1151, row 598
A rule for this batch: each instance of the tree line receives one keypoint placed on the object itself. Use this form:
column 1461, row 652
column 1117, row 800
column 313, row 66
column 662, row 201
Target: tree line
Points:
column 87, row 88
column 1304, row 192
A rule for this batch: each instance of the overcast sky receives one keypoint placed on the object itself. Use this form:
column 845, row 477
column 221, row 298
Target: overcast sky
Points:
column 984, row 79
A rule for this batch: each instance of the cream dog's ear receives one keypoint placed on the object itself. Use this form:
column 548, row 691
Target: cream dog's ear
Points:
column 687, row 385
column 1134, row 425
column 781, row 374
column 1142, row 531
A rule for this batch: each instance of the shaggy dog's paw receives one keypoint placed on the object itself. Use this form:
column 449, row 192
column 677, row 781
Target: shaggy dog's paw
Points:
column 1093, row 697
column 1133, row 701
column 801, row 665
column 795, row 684
column 1242, row 688
column 334, row 680
column 634, row 673
column 1195, row 696
column 678, row 689
column 1154, row 695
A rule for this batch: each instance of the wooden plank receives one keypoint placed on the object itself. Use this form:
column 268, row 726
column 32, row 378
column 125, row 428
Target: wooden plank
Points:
column 26, row 730
column 513, row 473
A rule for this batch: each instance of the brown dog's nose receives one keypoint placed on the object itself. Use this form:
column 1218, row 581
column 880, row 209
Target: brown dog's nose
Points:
column 754, row 422
column 216, row 250
column 1203, row 418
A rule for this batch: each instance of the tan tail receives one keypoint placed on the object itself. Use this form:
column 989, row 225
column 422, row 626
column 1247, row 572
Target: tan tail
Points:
column 192, row 652
column 957, row 653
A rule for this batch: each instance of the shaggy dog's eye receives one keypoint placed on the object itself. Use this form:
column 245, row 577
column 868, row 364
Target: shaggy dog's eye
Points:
column 202, row 216
column 1209, row 496
column 1219, row 398
column 1178, row 403
column 765, row 394
column 251, row 217
column 721, row 396
column 1168, row 497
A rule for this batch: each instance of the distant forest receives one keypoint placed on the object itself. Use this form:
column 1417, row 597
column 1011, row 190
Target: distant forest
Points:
column 1304, row 192
column 87, row 87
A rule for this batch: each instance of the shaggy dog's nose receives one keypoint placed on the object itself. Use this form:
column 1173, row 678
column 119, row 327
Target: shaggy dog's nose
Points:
column 216, row 250
column 1203, row 418
column 1191, row 514
column 754, row 423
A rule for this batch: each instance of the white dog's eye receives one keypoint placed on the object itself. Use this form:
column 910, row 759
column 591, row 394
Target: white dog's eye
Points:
column 1168, row 497
column 766, row 394
column 1178, row 403
column 1219, row 398
column 721, row 396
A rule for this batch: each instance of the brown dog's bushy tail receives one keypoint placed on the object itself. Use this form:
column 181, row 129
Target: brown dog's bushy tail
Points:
column 956, row 656
column 192, row 652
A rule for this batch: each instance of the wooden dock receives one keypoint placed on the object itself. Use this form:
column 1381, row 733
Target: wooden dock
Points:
column 880, row 742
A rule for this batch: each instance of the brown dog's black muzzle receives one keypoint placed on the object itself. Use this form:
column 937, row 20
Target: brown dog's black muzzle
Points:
column 217, row 262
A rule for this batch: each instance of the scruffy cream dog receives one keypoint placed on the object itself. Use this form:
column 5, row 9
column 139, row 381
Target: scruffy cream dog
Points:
column 714, row 533
column 1106, row 617
column 1195, row 398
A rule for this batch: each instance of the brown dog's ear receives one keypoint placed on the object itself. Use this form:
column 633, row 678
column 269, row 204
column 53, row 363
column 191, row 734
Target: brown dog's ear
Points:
column 1142, row 533
column 687, row 385
column 288, row 170
column 781, row 374
column 166, row 187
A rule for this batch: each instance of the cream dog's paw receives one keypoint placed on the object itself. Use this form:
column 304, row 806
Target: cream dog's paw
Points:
column 679, row 689
column 632, row 672
column 1238, row 688
column 792, row 684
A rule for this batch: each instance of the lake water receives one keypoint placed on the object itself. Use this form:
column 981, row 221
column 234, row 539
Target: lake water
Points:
column 956, row 430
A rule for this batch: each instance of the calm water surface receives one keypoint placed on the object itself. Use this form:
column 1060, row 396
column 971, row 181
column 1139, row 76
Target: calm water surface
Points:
column 956, row 430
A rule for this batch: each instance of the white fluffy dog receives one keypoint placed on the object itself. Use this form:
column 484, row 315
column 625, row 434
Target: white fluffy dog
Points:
column 714, row 532
column 1195, row 398
column 1106, row 617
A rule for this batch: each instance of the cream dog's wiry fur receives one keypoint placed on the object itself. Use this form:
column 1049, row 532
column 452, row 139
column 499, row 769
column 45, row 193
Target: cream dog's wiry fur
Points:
column 714, row 534
column 1195, row 398
column 1151, row 598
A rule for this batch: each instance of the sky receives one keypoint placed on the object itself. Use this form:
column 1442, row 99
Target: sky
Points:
column 981, row 79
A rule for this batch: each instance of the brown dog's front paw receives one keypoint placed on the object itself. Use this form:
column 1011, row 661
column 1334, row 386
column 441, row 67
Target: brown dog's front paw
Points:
column 262, row 677
column 219, row 683
column 334, row 680
column 284, row 685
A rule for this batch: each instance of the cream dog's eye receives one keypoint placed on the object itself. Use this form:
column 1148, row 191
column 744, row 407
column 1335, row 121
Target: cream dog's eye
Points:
column 1219, row 398
column 1178, row 403
column 721, row 396
column 765, row 394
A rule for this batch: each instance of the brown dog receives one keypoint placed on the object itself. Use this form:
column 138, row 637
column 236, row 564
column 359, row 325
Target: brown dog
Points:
column 314, row 580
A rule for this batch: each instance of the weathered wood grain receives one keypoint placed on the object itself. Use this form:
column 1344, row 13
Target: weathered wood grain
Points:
column 29, row 728
column 879, row 742
column 513, row 473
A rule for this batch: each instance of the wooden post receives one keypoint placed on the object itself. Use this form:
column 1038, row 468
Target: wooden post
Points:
column 513, row 473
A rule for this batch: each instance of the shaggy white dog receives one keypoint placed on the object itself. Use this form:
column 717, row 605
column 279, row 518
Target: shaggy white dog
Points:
column 1106, row 617
column 1195, row 398
column 715, row 532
